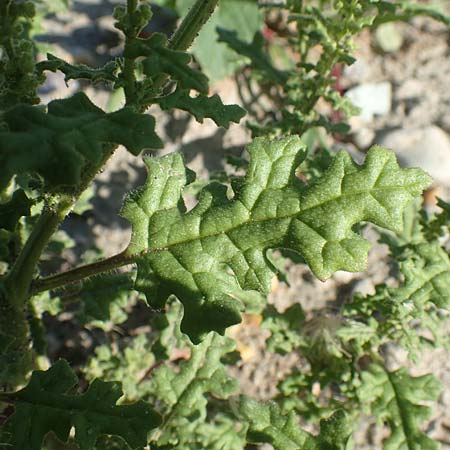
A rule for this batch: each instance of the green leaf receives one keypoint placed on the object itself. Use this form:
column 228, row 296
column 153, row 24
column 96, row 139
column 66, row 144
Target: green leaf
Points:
column 161, row 59
column 129, row 366
column 80, row 71
column 14, row 209
column 58, row 144
column 268, row 424
column 240, row 16
column 184, row 254
column 184, row 392
column 397, row 398
column 99, row 294
column 406, row 11
column 202, row 106
column 259, row 59
column 427, row 277
column 92, row 413
column 284, row 327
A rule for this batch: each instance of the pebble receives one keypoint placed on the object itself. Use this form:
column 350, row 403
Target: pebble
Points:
column 389, row 37
column 373, row 99
column 411, row 88
column 427, row 148
column 364, row 287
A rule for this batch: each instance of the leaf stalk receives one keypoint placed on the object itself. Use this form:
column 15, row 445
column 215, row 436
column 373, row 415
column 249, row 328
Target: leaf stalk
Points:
column 82, row 272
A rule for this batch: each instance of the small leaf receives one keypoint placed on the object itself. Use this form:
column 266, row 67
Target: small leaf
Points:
column 427, row 277
column 202, row 106
column 241, row 16
column 397, row 397
column 260, row 62
column 184, row 392
column 161, row 59
column 91, row 414
column 80, row 71
column 14, row 209
column 100, row 293
column 58, row 144
column 267, row 424
column 284, row 327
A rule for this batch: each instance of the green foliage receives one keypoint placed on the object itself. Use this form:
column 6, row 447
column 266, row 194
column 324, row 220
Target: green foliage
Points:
column 296, row 86
column 12, row 210
column 200, row 269
column 80, row 71
column 268, row 424
column 18, row 78
column 92, row 413
column 202, row 106
column 67, row 138
column 184, row 253
column 240, row 16
column 396, row 397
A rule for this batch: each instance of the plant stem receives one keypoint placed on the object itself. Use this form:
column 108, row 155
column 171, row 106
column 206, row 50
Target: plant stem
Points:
column 189, row 28
column 128, row 69
column 80, row 273
column 19, row 279
column 185, row 35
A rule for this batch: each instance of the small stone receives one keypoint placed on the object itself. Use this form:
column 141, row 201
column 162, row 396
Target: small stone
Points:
column 373, row 99
column 427, row 148
column 363, row 138
column 389, row 37
column 343, row 277
column 363, row 287
column 411, row 88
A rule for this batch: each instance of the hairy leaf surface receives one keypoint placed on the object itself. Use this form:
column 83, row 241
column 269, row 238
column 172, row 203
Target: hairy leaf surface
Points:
column 397, row 398
column 44, row 405
column 80, row 71
column 427, row 276
column 58, row 144
column 186, row 254
column 268, row 424
column 184, row 392
column 202, row 106
column 161, row 59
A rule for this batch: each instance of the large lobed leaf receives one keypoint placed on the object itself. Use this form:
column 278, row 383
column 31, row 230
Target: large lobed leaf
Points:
column 44, row 405
column 210, row 255
column 397, row 398
column 58, row 144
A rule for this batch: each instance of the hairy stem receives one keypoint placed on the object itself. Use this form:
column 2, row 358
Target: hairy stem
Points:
column 80, row 273
column 17, row 284
column 19, row 279
column 128, row 69
column 186, row 33
column 15, row 354
column 188, row 30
